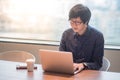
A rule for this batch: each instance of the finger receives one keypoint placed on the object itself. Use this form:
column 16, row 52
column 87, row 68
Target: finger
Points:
column 74, row 64
column 78, row 70
column 75, row 68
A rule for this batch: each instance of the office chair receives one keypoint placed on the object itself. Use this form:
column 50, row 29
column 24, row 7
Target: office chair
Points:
column 17, row 56
column 106, row 64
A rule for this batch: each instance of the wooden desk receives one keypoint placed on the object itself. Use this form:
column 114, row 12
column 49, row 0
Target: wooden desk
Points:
column 8, row 71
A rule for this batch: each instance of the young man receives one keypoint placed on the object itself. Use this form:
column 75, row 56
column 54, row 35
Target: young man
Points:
column 85, row 42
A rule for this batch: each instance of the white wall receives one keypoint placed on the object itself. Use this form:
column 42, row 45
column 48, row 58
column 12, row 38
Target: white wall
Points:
column 112, row 55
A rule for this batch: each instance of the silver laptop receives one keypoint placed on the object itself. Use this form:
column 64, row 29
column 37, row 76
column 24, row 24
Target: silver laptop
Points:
column 57, row 61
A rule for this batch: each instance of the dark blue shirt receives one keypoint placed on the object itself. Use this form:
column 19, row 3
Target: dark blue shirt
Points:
column 88, row 48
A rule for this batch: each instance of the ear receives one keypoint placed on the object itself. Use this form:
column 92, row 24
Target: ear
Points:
column 86, row 22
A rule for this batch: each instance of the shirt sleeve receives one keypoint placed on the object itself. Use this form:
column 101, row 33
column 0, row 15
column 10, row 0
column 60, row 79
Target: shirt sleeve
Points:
column 97, row 54
column 62, row 46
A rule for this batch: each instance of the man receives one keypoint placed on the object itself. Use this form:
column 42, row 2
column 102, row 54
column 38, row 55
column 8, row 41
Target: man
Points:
column 85, row 42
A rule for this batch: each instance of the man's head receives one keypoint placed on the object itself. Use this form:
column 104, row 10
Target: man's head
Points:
column 80, row 11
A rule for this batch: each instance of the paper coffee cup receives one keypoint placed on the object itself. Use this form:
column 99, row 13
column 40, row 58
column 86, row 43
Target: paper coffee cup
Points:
column 30, row 64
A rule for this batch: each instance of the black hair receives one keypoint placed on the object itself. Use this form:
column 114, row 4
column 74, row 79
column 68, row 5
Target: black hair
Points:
column 81, row 11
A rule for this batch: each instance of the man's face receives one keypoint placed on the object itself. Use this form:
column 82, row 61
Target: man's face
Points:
column 77, row 24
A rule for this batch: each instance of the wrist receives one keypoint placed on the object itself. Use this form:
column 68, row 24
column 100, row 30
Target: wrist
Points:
column 85, row 65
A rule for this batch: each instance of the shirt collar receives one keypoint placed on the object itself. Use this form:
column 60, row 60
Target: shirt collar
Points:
column 87, row 32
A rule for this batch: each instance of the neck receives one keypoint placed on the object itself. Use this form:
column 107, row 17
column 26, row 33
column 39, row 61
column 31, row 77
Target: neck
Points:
column 83, row 30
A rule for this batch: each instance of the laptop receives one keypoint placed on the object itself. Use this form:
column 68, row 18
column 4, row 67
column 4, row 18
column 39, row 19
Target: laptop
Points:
column 56, row 61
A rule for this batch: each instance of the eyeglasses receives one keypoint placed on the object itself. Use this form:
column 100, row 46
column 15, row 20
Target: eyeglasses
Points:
column 75, row 22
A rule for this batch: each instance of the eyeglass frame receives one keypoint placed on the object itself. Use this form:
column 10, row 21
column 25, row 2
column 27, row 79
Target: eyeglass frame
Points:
column 75, row 22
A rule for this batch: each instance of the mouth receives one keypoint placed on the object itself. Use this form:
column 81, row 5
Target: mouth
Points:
column 75, row 30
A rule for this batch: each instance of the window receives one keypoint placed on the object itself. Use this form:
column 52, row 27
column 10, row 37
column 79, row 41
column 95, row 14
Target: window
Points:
column 45, row 20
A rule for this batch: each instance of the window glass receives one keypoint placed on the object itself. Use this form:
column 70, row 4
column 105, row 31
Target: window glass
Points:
column 47, row 19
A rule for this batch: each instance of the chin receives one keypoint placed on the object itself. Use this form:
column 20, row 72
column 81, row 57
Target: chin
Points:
column 75, row 31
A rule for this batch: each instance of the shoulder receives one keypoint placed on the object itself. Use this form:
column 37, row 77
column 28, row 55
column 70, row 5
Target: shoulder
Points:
column 97, row 35
column 95, row 32
column 68, row 32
